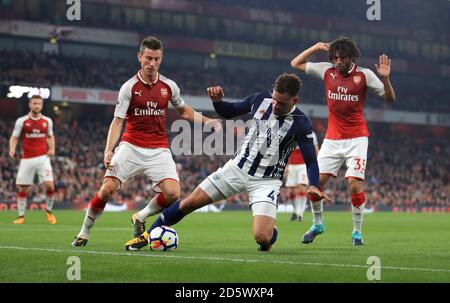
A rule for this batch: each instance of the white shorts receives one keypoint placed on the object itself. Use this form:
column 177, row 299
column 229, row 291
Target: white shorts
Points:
column 130, row 160
column 296, row 175
column 230, row 180
column 333, row 153
column 29, row 167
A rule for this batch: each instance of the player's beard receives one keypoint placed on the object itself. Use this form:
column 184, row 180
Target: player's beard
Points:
column 35, row 113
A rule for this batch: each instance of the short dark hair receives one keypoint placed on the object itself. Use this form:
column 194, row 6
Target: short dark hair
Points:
column 288, row 83
column 35, row 97
column 345, row 47
column 151, row 43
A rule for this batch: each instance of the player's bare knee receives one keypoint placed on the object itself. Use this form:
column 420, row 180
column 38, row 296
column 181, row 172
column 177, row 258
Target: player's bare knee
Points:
column 263, row 237
column 108, row 188
column 171, row 195
column 49, row 187
column 23, row 188
column 355, row 186
column 104, row 193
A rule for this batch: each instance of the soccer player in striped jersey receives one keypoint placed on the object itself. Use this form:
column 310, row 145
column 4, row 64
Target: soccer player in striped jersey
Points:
column 278, row 126
column 347, row 135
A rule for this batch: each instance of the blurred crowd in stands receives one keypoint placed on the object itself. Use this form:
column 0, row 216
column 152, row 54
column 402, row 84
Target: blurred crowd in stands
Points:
column 27, row 68
column 401, row 171
column 401, row 15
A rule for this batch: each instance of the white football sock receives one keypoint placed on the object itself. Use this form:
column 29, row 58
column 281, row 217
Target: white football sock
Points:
column 21, row 205
column 300, row 203
column 151, row 209
column 317, row 209
column 49, row 202
column 357, row 217
column 88, row 222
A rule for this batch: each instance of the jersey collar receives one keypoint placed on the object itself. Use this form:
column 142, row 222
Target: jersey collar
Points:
column 290, row 112
column 34, row 118
column 352, row 69
column 145, row 82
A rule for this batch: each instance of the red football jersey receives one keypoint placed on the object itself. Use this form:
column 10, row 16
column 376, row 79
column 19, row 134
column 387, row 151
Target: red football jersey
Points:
column 345, row 97
column 143, row 105
column 34, row 133
column 296, row 157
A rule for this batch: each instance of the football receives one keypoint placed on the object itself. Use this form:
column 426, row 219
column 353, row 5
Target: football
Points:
column 163, row 238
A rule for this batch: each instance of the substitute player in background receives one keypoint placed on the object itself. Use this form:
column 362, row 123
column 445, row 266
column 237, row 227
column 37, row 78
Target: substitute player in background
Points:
column 142, row 102
column 278, row 126
column 346, row 139
column 38, row 144
column 297, row 181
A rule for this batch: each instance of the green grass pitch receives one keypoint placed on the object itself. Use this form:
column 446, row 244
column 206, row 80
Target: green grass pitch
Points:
column 219, row 247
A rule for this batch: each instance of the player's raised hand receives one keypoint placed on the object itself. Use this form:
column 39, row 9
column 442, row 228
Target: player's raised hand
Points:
column 107, row 159
column 215, row 93
column 317, row 192
column 322, row 46
column 216, row 124
column 384, row 66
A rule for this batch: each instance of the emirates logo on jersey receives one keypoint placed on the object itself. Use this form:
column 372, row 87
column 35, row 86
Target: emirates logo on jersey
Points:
column 164, row 92
column 357, row 79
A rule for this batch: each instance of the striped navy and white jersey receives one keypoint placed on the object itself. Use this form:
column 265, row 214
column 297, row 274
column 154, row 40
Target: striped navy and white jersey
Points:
column 270, row 140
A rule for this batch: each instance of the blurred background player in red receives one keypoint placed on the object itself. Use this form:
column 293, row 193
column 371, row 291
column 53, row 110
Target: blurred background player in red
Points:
column 346, row 139
column 38, row 144
column 142, row 102
column 297, row 181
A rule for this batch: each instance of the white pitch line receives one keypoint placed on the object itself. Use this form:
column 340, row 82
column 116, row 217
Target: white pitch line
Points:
column 40, row 227
column 171, row 255
column 65, row 229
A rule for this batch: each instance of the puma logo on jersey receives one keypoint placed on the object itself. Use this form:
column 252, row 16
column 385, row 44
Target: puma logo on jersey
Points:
column 333, row 75
column 138, row 93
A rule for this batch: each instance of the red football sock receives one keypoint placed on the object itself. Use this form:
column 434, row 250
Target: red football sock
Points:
column 97, row 205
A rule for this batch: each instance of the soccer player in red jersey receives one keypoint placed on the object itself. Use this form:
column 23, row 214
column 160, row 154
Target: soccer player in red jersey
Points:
column 38, row 144
column 346, row 139
column 142, row 103
column 297, row 181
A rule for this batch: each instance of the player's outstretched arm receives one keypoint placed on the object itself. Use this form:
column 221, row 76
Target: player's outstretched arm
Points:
column 12, row 146
column 384, row 70
column 299, row 62
column 188, row 113
column 113, row 136
column 229, row 110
